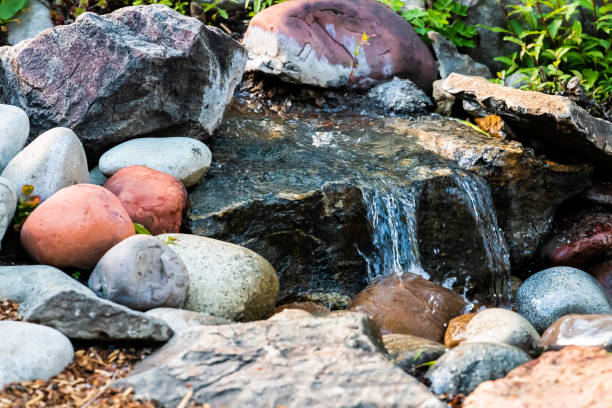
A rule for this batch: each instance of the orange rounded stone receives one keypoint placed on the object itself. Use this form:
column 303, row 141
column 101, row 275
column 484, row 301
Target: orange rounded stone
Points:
column 455, row 332
column 154, row 199
column 75, row 227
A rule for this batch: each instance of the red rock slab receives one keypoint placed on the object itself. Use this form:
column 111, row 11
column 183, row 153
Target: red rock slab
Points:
column 575, row 377
column 154, row 199
column 75, row 227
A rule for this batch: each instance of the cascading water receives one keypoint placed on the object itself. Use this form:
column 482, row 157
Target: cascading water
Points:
column 392, row 214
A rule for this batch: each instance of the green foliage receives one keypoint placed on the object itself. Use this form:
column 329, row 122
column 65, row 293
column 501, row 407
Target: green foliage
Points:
column 140, row 229
column 9, row 9
column 26, row 204
column 445, row 17
column 178, row 5
column 170, row 240
column 556, row 46
column 76, row 275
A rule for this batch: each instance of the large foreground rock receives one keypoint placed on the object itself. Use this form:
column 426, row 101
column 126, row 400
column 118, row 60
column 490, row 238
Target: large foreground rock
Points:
column 48, row 296
column 320, row 43
column 554, row 121
column 293, row 191
column 31, row 352
column 308, row 362
column 576, row 377
column 129, row 73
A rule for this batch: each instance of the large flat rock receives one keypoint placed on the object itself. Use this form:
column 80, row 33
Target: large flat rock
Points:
column 333, row 361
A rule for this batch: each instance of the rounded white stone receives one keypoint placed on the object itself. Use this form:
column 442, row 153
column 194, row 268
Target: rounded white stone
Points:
column 14, row 131
column 182, row 157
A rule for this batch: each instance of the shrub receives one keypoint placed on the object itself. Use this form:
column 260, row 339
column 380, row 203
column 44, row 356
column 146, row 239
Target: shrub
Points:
column 556, row 46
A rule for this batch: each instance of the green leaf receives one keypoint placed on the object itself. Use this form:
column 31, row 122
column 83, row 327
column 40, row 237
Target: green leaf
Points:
column 553, row 28
column 140, row 229
column 9, row 8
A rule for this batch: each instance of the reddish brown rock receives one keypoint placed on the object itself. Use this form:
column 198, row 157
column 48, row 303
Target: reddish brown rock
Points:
column 455, row 332
column 313, row 308
column 152, row 198
column 321, row 43
column 603, row 273
column 75, row 227
column 409, row 305
column 575, row 377
column 580, row 239
column 579, row 330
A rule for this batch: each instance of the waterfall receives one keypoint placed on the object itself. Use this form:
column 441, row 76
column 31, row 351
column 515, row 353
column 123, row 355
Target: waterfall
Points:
column 392, row 214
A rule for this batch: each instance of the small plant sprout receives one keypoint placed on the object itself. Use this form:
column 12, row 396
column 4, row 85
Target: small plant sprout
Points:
column 140, row 229
column 170, row 240
column 26, row 204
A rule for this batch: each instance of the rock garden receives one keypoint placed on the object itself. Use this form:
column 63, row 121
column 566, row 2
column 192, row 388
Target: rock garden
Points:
column 305, row 203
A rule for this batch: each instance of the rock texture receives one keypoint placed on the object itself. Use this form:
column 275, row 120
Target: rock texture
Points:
column 48, row 296
column 225, row 280
column 313, row 308
column 133, row 72
column 603, row 273
column 320, row 43
column 75, row 227
column 450, row 60
column 555, row 292
column 8, row 204
column 409, row 352
column 181, row 157
column 555, row 121
column 455, row 330
column 575, row 377
column 14, row 131
column 142, row 273
column 178, row 319
column 409, row 304
column 31, row 352
column 400, row 97
column 579, row 330
column 463, row 368
column 315, row 362
column 54, row 160
column 153, row 199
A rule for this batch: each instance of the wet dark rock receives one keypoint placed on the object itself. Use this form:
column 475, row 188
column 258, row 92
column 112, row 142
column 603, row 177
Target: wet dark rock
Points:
column 333, row 361
column 600, row 194
column 455, row 330
column 603, row 273
column 133, row 72
column 579, row 330
column 559, row 291
column 580, row 239
column 461, row 369
column 411, row 352
column 292, row 191
column 562, row 128
column 450, row 60
column 409, row 304
column 320, row 43
column 576, row 377
column 400, row 97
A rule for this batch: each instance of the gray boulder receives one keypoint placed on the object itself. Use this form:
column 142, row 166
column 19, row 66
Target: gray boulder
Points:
column 225, row 280
column 54, row 160
column 460, row 370
column 142, row 273
column 14, row 131
column 31, row 352
column 313, row 362
column 48, row 296
column 400, row 96
column 8, row 204
column 559, row 291
column 33, row 21
column 133, row 72
column 179, row 319
column 503, row 326
column 450, row 60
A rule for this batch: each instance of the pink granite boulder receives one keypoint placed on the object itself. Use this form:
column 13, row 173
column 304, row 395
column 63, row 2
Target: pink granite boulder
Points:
column 154, row 199
column 322, row 43
column 75, row 227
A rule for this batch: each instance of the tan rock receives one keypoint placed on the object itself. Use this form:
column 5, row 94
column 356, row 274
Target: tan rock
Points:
column 310, row 307
column 575, row 377
column 455, row 332
column 579, row 330
column 409, row 305
column 154, row 199
column 76, row 226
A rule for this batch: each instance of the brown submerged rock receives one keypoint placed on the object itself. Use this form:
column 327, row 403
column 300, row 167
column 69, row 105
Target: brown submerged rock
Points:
column 580, row 239
column 455, row 332
column 313, row 308
column 152, row 198
column 76, row 226
column 409, row 352
column 317, row 42
column 575, row 377
column 603, row 273
column 579, row 330
column 409, row 304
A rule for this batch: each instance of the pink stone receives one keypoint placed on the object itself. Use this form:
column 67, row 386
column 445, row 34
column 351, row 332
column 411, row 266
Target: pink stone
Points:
column 154, row 199
column 75, row 227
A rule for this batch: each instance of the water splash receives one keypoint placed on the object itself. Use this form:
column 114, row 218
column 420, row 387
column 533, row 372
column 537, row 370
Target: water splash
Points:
column 392, row 213
column 480, row 204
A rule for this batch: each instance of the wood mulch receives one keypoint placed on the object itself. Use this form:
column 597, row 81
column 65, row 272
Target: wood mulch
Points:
column 83, row 384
